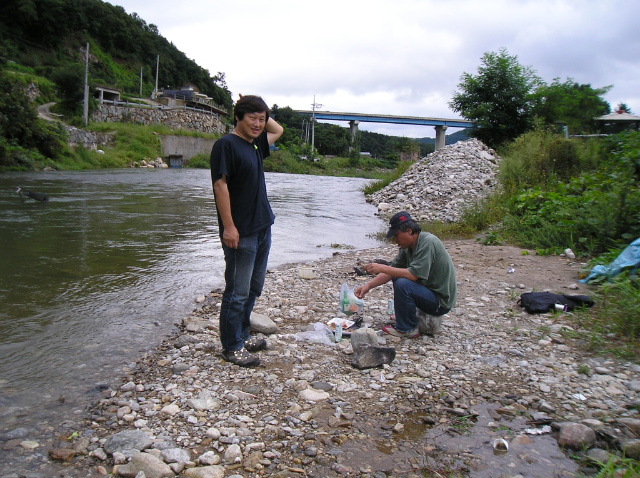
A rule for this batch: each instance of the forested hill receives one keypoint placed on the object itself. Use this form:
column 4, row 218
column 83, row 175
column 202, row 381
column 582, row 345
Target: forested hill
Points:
column 51, row 35
column 452, row 138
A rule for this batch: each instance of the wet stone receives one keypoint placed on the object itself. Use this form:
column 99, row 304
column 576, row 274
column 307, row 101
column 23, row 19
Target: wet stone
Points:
column 576, row 436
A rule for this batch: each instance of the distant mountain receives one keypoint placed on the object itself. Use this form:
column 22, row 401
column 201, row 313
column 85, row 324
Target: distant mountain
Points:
column 452, row 138
column 50, row 36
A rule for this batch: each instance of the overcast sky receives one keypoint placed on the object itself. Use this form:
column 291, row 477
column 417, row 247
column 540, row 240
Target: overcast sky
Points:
column 401, row 57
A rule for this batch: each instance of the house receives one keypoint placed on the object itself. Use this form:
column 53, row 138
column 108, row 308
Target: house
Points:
column 618, row 121
column 189, row 96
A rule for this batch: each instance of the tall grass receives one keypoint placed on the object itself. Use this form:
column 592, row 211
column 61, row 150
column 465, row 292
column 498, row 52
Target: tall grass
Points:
column 539, row 158
column 613, row 325
column 399, row 170
column 584, row 196
column 284, row 161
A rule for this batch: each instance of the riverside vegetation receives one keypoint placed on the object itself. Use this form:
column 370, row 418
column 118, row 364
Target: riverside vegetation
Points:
column 554, row 193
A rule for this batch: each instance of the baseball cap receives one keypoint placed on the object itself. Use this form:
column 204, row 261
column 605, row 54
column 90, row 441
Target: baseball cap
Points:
column 397, row 221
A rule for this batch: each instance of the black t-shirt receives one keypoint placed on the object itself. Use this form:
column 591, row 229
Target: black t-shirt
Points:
column 242, row 163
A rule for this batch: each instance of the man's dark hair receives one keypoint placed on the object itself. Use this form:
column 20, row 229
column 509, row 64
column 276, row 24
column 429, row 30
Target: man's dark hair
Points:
column 411, row 225
column 249, row 104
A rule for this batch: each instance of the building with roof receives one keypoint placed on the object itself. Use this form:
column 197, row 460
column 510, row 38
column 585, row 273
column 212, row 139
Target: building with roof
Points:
column 619, row 121
column 191, row 97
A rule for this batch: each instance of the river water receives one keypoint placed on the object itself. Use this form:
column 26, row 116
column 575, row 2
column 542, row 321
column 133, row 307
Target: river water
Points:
column 101, row 273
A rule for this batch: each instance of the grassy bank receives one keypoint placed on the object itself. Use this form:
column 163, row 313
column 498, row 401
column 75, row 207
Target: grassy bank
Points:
column 584, row 195
column 132, row 144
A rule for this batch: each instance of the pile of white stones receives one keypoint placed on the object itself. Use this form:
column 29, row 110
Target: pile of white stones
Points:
column 440, row 186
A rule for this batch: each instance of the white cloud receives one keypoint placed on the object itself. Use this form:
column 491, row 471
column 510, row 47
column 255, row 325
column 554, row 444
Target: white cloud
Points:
column 403, row 57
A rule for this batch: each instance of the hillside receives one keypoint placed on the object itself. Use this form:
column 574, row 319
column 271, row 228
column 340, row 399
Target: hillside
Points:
column 452, row 138
column 50, row 36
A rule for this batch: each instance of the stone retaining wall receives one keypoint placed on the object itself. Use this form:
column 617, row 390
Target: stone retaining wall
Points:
column 88, row 139
column 175, row 118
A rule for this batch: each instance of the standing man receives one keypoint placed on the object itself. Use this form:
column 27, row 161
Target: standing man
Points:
column 244, row 218
column 422, row 273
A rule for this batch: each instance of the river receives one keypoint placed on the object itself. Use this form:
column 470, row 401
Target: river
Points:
column 100, row 274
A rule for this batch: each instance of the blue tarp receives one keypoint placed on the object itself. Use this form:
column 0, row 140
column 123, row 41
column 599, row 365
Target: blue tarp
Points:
column 630, row 257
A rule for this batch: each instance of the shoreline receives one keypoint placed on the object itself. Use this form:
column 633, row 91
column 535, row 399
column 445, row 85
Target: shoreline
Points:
column 308, row 412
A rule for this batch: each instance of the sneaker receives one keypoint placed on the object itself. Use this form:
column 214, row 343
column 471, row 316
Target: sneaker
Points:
column 241, row 357
column 391, row 330
column 254, row 344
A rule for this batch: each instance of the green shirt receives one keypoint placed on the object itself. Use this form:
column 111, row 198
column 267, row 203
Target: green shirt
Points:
column 432, row 265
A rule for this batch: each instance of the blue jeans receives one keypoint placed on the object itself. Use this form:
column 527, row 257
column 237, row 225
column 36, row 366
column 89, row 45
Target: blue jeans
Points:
column 409, row 296
column 246, row 268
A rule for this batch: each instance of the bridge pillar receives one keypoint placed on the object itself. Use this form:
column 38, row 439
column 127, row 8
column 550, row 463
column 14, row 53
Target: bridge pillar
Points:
column 440, row 136
column 353, row 127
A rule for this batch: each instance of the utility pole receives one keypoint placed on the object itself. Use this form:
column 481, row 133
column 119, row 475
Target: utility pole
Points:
column 155, row 92
column 314, row 105
column 85, row 112
column 140, row 82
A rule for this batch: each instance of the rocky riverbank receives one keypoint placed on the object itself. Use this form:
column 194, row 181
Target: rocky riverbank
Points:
column 498, row 392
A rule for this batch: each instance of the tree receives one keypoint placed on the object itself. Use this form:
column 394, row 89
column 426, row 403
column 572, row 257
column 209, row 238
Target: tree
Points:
column 69, row 81
column 624, row 107
column 499, row 99
column 21, row 131
column 332, row 139
column 573, row 104
column 292, row 124
column 50, row 33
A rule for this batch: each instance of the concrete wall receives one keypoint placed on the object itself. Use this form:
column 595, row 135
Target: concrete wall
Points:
column 185, row 146
column 179, row 148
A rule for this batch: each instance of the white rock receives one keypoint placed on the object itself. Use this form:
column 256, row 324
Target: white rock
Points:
column 171, row 410
column 313, row 395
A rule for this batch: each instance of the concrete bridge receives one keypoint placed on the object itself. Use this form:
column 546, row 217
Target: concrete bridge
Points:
column 441, row 124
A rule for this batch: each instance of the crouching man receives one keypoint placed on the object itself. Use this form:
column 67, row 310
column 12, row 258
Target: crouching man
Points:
column 423, row 276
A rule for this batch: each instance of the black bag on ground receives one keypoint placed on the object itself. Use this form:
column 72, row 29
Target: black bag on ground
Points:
column 540, row 302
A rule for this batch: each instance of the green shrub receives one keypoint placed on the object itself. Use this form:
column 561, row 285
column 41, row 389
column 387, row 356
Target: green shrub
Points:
column 285, row 162
column 199, row 161
column 592, row 212
column 484, row 213
column 541, row 157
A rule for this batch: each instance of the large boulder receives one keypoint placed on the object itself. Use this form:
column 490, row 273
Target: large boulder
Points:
column 127, row 440
column 369, row 356
column 576, row 436
column 151, row 466
column 260, row 323
column 364, row 336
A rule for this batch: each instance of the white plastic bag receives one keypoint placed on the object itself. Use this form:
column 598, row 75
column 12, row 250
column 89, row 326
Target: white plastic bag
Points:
column 320, row 334
column 349, row 303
